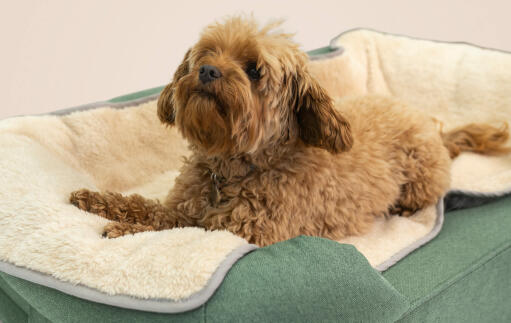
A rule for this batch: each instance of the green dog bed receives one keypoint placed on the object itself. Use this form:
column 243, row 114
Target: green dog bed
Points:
column 458, row 276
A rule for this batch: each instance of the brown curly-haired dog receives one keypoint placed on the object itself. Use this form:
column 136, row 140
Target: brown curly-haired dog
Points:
column 274, row 158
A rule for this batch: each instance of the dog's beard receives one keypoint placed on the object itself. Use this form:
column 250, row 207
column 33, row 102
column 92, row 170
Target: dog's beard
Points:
column 210, row 100
column 203, row 122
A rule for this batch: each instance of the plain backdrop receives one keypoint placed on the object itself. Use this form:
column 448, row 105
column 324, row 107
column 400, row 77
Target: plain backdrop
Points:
column 58, row 54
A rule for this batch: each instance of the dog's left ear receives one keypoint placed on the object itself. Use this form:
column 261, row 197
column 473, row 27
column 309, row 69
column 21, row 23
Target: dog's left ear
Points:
column 166, row 110
column 320, row 125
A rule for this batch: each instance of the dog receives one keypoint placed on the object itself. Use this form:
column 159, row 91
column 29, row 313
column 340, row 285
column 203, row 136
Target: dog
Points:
column 273, row 157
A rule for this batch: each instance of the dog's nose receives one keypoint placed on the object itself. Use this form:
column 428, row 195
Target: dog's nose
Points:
column 208, row 73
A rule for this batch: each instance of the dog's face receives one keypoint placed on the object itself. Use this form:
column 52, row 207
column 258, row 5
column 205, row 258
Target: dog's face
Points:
column 241, row 89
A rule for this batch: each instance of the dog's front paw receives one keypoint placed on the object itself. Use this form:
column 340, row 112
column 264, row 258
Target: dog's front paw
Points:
column 81, row 199
column 119, row 229
column 114, row 230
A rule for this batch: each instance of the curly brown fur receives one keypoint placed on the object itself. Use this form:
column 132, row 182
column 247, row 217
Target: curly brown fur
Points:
column 479, row 138
column 273, row 157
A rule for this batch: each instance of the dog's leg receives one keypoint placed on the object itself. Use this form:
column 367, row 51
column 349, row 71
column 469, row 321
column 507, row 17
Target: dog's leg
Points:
column 133, row 209
column 427, row 178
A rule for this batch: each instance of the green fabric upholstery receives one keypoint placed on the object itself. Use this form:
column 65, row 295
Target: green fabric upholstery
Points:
column 470, row 260
column 481, row 295
column 9, row 310
column 42, row 304
column 306, row 278
column 458, row 277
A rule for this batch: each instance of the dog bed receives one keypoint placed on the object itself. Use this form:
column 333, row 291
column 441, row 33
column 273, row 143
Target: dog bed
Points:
column 119, row 145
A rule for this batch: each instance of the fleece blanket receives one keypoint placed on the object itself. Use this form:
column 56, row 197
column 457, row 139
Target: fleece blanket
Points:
column 456, row 84
column 122, row 147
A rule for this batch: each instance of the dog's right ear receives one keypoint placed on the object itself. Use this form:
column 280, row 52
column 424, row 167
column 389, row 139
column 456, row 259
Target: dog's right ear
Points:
column 320, row 125
column 166, row 111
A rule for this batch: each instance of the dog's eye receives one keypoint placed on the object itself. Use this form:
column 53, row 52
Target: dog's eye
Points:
column 253, row 72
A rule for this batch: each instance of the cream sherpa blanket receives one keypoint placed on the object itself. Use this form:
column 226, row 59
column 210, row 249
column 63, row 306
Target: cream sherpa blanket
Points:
column 46, row 240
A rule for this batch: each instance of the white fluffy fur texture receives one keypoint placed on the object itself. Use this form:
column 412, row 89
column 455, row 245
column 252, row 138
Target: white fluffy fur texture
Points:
column 45, row 158
column 455, row 83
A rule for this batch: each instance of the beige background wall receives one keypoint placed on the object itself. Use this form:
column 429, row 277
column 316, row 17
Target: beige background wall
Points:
column 57, row 54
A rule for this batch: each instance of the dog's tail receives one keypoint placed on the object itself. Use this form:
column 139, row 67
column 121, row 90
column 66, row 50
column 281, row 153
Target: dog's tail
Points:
column 479, row 138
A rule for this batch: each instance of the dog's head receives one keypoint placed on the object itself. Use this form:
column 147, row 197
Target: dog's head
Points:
column 242, row 88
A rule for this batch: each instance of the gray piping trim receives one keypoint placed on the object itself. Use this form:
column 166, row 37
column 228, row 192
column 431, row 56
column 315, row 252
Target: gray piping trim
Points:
column 94, row 105
column 115, row 105
column 334, row 42
column 125, row 301
column 428, row 237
